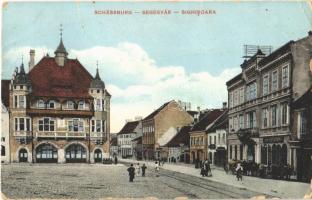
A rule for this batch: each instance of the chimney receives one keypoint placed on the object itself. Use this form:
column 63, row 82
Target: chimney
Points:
column 31, row 59
column 224, row 105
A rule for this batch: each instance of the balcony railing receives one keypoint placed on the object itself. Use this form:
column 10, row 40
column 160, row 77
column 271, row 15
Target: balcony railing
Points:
column 60, row 134
column 58, row 112
column 21, row 133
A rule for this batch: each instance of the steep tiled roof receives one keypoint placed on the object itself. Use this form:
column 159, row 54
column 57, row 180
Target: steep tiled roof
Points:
column 208, row 118
column 153, row 114
column 50, row 80
column 220, row 123
column 129, row 127
column 5, row 92
column 182, row 137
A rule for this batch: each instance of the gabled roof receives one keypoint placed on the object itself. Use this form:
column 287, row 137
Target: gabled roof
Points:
column 182, row 137
column 220, row 123
column 50, row 80
column 207, row 119
column 153, row 114
column 5, row 92
column 129, row 127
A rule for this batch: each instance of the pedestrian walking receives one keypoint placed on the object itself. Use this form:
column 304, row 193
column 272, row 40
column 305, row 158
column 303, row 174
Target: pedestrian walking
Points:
column 156, row 166
column 143, row 169
column 137, row 170
column 131, row 172
column 239, row 172
column 202, row 171
column 116, row 160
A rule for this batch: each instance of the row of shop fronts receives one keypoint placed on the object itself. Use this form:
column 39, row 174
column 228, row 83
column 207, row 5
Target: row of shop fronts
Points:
column 48, row 153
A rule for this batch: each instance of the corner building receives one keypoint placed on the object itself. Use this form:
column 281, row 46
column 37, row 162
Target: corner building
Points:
column 59, row 113
column 261, row 98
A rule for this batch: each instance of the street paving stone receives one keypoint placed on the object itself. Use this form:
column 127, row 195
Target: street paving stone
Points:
column 85, row 181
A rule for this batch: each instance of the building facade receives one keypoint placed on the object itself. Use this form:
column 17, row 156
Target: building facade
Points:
column 260, row 100
column 198, row 135
column 58, row 112
column 160, row 126
column 217, row 136
column 125, row 137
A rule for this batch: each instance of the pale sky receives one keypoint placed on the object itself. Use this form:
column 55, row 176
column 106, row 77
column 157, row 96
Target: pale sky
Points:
column 148, row 60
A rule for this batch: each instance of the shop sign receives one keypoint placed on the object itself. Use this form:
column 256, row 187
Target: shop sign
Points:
column 279, row 139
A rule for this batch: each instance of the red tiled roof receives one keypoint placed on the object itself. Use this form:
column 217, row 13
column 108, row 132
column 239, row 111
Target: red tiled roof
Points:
column 209, row 117
column 5, row 93
column 182, row 137
column 50, row 80
column 129, row 127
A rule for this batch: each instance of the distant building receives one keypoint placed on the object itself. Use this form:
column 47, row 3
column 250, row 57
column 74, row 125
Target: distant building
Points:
column 125, row 137
column 113, row 147
column 160, row 126
column 198, row 135
column 217, row 135
column 179, row 146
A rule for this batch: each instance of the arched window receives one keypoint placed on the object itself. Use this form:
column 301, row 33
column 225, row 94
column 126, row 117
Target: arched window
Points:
column 23, row 155
column 46, row 153
column 41, row 103
column 76, row 153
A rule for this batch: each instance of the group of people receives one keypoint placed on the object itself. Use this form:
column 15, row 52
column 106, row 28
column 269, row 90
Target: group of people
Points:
column 205, row 169
column 136, row 171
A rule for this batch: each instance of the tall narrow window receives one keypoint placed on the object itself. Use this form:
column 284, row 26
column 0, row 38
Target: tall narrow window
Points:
column 16, row 124
column 274, row 81
column 93, row 125
column 241, row 95
column 98, row 125
column 285, row 76
column 265, row 85
column 22, row 102
column 284, row 113
column 274, row 115
column 264, row 117
column 21, row 124
column 15, row 101
column 302, row 123
column 81, row 105
column 241, row 121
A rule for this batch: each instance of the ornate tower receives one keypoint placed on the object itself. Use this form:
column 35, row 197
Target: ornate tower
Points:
column 100, row 122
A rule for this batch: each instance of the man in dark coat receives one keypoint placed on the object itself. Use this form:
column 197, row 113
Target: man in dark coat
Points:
column 143, row 169
column 116, row 160
column 131, row 172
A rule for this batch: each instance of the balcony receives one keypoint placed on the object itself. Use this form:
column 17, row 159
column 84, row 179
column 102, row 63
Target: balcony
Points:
column 246, row 135
column 60, row 134
column 58, row 112
column 22, row 133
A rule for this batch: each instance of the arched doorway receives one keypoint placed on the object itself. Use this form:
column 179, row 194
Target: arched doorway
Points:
column 46, row 153
column 76, row 153
column 98, row 156
column 22, row 155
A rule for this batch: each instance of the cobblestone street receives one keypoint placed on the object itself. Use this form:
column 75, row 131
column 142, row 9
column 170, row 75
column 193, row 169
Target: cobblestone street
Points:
column 85, row 181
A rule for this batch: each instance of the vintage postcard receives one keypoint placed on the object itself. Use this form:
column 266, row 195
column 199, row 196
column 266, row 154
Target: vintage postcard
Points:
column 156, row 100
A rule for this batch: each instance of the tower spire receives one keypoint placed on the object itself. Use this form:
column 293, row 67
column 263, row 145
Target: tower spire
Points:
column 97, row 75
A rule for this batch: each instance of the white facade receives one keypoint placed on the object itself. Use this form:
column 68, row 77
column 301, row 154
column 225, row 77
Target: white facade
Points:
column 125, row 144
column 5, row 143
column 216, row 140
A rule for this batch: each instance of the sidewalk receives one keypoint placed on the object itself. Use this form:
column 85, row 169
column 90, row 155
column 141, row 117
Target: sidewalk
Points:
column 276, row 188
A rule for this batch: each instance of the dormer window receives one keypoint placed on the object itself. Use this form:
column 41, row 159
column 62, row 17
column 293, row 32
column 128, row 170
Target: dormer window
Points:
column 51, row 104
column 70, row 104
column 81, row 105
column 41, row 104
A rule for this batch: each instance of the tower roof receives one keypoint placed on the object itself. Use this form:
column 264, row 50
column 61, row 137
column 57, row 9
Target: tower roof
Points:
column 21, row 77
column 97, row 82
column 61, row 48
